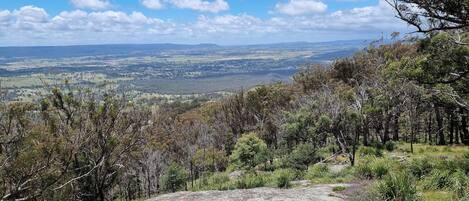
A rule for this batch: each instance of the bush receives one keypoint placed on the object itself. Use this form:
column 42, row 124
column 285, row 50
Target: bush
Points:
column 249, row 152
column 338, row 188
column 444, row 163
column 302, row 156
column 420, row 167
column 438, row 179
column 216, row 181
column 390, row 146
column 364, row 170
column 283, row 177
column 464, row 163
column 397, row 186
column 317, row 171
column 460, row 184
column 220, row 181
column 251, row 180
column 372, row 168
column 370, row 151
column 174, row 178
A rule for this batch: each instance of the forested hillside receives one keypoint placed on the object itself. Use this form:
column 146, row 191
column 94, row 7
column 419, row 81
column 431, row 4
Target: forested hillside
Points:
column 79, row 145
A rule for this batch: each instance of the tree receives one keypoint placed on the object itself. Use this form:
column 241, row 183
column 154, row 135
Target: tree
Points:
column 249, row 152
column 433, row 15
column 302, row 156
column 174, row 178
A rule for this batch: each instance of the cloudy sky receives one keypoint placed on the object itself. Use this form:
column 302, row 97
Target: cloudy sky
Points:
column 226, row 22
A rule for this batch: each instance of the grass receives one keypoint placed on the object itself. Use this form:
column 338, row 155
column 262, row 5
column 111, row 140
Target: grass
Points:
column 321, row 174
column 430, row 173
column 339, row 188
column 438, row 195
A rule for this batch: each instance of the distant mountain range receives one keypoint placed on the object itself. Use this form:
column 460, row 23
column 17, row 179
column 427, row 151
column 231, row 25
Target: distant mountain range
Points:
column 149, row 49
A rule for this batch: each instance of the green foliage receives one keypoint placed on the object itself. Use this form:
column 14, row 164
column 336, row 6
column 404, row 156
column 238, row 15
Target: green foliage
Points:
column 419, row 167
column 338, row 188
column 249, row 152
column 460, row 184
column 174, row 178
column 317, row 171
column 464, row 163
column 363, row 171
column 372, row 167
column 210, row 158
column 380, row 167
column 455, row 181
column 397, row 187
column 216, row 181
column 369, row 151
column 390, row 146
column 282, row 177
column 251, row 180
column 302, row 156
column 438, row 179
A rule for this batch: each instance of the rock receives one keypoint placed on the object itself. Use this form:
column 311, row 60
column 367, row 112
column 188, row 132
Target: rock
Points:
column 236, row 174
column 321, row 192
column 337, row 168
column 302, row 183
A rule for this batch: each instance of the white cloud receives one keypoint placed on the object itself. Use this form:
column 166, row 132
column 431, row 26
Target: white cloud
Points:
column 152, row 4
column 227, row 24
column 31, row 25
column 301, row 7
column 214, row 6
column 91, row 4
column 31, row 14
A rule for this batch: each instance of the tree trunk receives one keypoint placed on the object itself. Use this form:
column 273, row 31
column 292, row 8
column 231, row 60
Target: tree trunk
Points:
column 412, row 138
column 366, row 132
column 440, row 133
column 386, row 128
column 451, row 127
column 429, row 128
column 396, row 127
column 465, row 132
column 354, row 146
column 456, row 132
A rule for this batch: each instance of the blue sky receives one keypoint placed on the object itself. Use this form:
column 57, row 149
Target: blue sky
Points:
column 69, row 22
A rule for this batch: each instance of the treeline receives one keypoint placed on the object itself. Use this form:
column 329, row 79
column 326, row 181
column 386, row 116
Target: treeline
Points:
column 78, row 145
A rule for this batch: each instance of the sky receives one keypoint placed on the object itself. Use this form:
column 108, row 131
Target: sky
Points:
column 224, row 22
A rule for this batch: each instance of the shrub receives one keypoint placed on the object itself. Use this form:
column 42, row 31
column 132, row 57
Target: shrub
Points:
column 444, row 163
column 282, row 177
column 216, row 181
column 174, row 178
column 372, row 168
column 219, row 181
column 251, row 180
column 390, row 146
column 397, row 186
column 438, row 179
column 370, row 151
column 364, row 170
column 380, row 167
column 317, row 171
column 420, row 167
column 338, row 188
column 302, row 156
column 249, row 152
column 460, row 184
column 464, row 163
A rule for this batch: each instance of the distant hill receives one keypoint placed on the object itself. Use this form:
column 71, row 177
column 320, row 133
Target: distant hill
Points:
column 151, row 49
column 94, row 50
